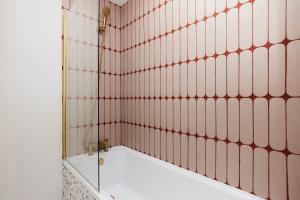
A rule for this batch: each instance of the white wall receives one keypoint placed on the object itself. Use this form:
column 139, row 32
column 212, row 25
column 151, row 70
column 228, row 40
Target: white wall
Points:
column 7, row 128
column 30, row 100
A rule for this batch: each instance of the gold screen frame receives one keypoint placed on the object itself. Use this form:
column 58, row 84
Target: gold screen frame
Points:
column 64, row 87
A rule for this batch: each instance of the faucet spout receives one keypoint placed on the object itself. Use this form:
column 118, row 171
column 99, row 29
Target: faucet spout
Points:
column 102, row 145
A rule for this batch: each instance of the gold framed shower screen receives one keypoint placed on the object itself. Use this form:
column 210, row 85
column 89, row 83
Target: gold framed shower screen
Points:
column 64, row 87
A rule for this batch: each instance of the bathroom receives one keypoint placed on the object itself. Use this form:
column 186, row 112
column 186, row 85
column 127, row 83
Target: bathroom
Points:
column 150, row 99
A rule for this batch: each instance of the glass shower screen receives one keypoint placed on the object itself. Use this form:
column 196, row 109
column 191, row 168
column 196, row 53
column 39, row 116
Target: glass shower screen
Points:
column 93, row 85
column 82, row 93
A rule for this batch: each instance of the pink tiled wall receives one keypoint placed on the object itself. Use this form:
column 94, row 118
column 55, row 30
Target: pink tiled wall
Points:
column 209, row 85
column 82, row 71
column 213, row 86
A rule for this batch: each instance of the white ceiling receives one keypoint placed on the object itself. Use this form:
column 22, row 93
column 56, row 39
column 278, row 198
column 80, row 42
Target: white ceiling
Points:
column 119, row 2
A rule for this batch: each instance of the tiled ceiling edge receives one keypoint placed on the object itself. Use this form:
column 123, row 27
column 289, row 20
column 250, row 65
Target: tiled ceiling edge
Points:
column 119, row 2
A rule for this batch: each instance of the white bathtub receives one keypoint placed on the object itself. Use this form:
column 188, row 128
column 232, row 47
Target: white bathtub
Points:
column 131, row 175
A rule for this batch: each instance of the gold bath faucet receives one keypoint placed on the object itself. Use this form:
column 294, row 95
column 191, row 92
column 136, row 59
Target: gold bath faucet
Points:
column 102, row 145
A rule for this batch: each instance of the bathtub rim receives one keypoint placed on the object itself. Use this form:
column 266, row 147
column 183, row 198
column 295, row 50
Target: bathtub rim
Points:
column 213, row 183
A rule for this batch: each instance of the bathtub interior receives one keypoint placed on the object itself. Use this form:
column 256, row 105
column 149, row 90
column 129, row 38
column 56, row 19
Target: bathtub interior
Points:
column 127, row 174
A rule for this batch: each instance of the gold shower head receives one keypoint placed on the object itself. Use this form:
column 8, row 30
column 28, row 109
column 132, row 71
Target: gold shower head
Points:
column 106, row 13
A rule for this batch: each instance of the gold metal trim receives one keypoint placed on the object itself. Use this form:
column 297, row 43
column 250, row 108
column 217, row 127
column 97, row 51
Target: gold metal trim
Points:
column 64, row 88
column 101, row 161
column 90, row 149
